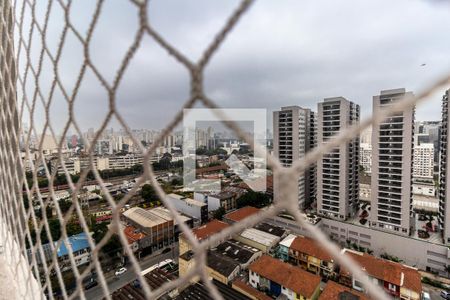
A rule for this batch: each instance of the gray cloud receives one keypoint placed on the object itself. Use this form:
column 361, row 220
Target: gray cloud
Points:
column 281, row 53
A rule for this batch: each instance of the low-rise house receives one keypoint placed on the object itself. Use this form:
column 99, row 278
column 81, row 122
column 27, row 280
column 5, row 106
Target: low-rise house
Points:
column 226, row 198
column 239, row 252
column 159, row 231
column 272, row 229
column 81, row 252
column 240, row 214
column 283, row 247
column 249, row 291
column 278, row 278
column 308, row 254
column 201, row 233
column 219, row 267
column 137, row 239
column 199, row 291
column 190, row 207
column 336, row 291
column 154, row 279
column 398, row 280
column 258, row 239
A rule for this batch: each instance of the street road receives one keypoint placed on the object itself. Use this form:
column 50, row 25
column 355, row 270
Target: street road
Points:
column 115, row 283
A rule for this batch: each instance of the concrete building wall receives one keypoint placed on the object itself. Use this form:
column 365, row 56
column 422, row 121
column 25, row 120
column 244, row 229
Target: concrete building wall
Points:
column 337, row 172
column 186, row 206
column 444, row 176
column 418, row 253
column 423, row 165
column 293, row 128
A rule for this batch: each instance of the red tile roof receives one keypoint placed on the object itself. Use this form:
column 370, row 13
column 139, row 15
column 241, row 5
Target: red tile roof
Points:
column 333, row 290
column 289, row 276
column 133, row 234
column 209, row 229
column 241, row 213
column 248, row 290
column 389, row 271
column 310, row 247
column 221, row 167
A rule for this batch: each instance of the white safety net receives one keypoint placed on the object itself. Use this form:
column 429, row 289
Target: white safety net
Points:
column 27, row 232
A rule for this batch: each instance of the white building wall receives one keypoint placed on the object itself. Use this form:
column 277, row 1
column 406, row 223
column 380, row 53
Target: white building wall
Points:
column 423, row 161
column 419, row 253
column 213, row 202
column 185, row 207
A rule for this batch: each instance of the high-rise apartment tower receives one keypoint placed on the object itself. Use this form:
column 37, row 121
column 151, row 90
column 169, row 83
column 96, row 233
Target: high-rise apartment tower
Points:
column 337, row 172
column 444, row 174
column 392, row 146
column 293, row 136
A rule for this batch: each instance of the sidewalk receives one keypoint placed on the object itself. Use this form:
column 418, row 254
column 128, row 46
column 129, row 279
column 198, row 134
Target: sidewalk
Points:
column 442, row 280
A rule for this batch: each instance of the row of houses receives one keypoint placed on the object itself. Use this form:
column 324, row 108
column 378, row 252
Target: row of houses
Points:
column 267, row 260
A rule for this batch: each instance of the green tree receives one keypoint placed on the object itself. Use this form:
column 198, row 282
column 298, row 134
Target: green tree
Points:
column 252, row 198
column 447, row 269
column 177, row 181
column 73, row 227
column 148, row 193
column 113, row 246
column 100, row 230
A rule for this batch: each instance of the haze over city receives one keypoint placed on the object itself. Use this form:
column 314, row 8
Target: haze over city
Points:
column 294, row 53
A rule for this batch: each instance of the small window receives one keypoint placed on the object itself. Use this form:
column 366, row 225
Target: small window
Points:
column 392, row 287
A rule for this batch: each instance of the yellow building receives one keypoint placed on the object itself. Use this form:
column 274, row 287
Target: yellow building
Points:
column 309, row 255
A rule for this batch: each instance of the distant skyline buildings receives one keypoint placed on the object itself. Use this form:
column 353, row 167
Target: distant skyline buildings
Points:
column 392, row 159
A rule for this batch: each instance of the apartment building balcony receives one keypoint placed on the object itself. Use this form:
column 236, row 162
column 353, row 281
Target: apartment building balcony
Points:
column 390, row 126
column 389, row 221
column 389, row 208
column 390, row 139
column 390, row 158
column 390, row 164
column 384, row 199
column 388, row 172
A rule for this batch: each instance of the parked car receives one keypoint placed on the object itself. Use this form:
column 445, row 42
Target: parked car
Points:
column 90, row 284
column 166, row 250
column 445, row 294
column 120, row 271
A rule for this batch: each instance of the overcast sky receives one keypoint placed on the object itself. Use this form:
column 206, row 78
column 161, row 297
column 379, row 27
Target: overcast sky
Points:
column 284, row 52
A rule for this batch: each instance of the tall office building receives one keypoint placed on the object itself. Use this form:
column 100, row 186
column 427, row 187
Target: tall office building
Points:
column 392, row 144
column 337, row 172
column 444, row 176
column 293, row 130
